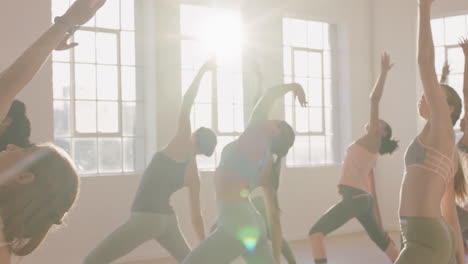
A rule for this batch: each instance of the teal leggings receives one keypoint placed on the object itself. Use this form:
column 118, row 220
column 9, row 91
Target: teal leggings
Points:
column 241, row 232
column 286, row 250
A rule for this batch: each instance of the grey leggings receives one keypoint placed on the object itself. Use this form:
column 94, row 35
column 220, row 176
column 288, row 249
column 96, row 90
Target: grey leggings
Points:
column 355, row 204
column 286, row 250
column 241, row 232
column 140, row 228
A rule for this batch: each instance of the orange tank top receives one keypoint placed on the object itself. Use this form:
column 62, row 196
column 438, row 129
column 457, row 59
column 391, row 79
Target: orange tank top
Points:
column 356, row 167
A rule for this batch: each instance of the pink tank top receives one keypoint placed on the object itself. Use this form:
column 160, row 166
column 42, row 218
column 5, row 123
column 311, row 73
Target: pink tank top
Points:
column 358, row 163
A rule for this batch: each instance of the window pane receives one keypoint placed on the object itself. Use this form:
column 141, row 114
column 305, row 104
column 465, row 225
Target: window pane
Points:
column 328, row 90
column 62, row 55
column 85, row 117
column 329, row 121
column 127, row 14
column 315, row 65
column 61, row 118
column 110, row 155
column 201, row 115
column 86, row 51
column 316, row 120
column 128, row 83
column 205, row 91
column 288, row 117
column 129, row 114
column 109, row 15
column 129, row 154
column 106, row 46
column 85, row 155
column 228, row 83
column 298, row 33
column 454, row 29
column 287, row 32
column 225, row 117
column 127, row 46
column 314, row 92
column 327, row 64
column 300, row 63
column 65, row 144
column 326, row 36
column 85, row 81
column 315, row 35
column 61, row 80
column 192, row 19
column 456, row 81
column 301, row 151
column 330, row 152
column 317, row 145
column 107, row 82
column 239, row 118
column 456, row 60
column 287, row 63
column 108, row 117
column 302, row 120
column 438, row 31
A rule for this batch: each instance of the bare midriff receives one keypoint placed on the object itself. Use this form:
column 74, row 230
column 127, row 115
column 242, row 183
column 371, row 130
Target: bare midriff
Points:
column 421, row 193
column 230, row 186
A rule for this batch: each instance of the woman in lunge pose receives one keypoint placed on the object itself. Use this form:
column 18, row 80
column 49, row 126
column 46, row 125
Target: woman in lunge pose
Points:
column 357, row 202
column 172, row 168
column 245, row 165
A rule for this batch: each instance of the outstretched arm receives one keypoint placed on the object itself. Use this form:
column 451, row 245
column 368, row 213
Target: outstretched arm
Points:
column 377, row 92
column 434, row 95
column 445, row 73
column 194, row 189
column 184, row 129
column 266, row 102
column 21, row 72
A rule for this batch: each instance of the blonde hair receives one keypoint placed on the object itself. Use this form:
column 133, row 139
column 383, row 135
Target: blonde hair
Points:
column 30, row 210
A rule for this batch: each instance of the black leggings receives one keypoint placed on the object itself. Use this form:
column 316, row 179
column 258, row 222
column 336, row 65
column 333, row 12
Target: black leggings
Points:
column 355, row 204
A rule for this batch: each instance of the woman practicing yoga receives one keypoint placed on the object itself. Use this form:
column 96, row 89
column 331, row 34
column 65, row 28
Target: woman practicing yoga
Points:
column 357, row 202
column 38, row 184
column 245, row 165
column 428, row 216
column 172, row 168
column 258, row 200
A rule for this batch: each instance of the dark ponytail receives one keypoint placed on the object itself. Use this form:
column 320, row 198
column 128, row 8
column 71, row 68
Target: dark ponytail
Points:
column 19, row 130
column 388, row 145
column 460, row 185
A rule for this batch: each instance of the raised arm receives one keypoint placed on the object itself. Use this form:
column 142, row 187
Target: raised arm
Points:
column 464, row 45
column 21, row 72
column 377, row 92
column 434, row 95
column 445, row 73
column 266, row 102
column 195, row 208
column 184, row 130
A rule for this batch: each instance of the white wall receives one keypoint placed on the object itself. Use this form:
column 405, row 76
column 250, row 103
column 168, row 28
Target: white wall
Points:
column 364, row 30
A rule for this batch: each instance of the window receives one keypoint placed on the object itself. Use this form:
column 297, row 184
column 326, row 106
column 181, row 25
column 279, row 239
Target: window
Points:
column 207, row 32
column 446, row 33
column 95, row 95
column 307, row 58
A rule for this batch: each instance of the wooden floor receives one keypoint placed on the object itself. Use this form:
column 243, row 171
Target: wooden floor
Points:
column 348, row 249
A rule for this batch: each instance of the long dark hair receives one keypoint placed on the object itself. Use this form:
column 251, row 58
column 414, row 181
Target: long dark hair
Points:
column 19, row 130
column 388, row 144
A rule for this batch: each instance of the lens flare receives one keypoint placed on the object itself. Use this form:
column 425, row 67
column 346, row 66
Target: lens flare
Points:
column 249, row 236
